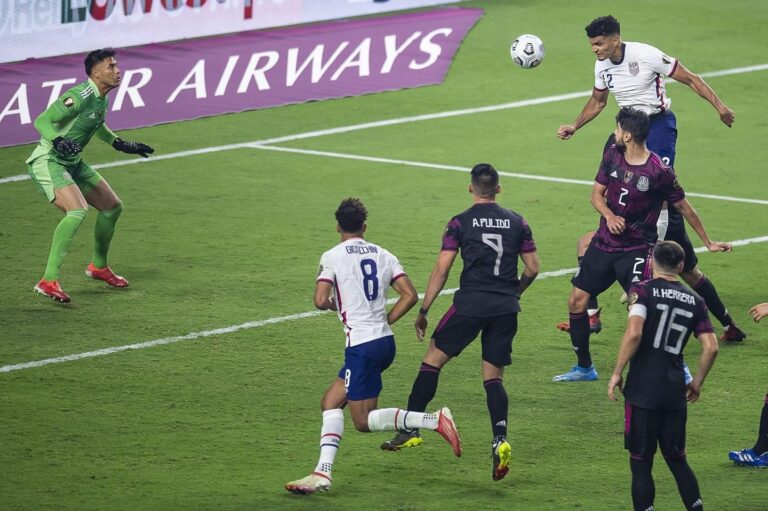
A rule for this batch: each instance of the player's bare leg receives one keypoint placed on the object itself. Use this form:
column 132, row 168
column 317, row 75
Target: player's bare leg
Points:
column 69, row 200
column 106, row 201
column 595, row 325
column 699, row 282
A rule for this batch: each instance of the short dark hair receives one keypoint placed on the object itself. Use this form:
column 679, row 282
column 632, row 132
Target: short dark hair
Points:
column 97, row 56
column 668, row 255
column 351, row 215
column 485, row 179
column 604, row 25
column 634, row 121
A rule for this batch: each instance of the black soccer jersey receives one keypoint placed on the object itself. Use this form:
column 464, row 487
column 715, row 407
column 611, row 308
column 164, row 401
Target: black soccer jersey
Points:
column 672, row 312
column 491, row 240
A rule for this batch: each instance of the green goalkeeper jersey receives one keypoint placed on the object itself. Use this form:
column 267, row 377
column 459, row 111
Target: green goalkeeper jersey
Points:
column 78, row 115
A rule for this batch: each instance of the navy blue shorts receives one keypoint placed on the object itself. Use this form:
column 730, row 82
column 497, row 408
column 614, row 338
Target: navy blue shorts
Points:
column 662, row 137
column 363, row 365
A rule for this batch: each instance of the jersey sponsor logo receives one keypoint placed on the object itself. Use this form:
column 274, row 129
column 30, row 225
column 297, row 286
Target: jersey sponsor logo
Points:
column 665, row 59
column 635, row 279
column 628, row 176
column 92, row 116
column 497, row 223
column 643, row 184
column 634, row 68
column 614, row 174
column 68, row 102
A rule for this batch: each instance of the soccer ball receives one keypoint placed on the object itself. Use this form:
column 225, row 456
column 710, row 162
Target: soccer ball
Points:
column 527, row 51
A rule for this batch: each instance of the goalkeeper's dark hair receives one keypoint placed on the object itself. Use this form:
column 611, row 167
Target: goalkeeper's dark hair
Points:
column 604, row 25
column 668, row 256
column 634, row 121
column 351, row 215
column 485, row 180
column 97, row 56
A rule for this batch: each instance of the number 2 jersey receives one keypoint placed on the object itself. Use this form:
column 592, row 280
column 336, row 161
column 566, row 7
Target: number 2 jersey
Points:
column 491, row 239
column 636, row 193
column 361, row 273
column 672, row 312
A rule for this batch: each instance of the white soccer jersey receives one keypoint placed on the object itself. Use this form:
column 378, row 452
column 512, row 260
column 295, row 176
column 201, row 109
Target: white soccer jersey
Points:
column 638, row 80
column 361, row 273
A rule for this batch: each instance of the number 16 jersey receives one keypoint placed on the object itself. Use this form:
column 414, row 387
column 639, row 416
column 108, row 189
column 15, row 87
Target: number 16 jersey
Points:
column 361, row 273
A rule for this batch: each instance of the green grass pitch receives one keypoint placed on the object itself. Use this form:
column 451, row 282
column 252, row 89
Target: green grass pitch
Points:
column 233, row 237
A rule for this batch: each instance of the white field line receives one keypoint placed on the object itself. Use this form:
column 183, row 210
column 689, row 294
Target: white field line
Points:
column 257, row 324
column 465, row 169
column 379, row 124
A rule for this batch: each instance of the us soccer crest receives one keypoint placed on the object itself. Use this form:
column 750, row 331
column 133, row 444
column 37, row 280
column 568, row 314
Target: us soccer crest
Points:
column 642, row 184
column 628, row 176
column 634, row 68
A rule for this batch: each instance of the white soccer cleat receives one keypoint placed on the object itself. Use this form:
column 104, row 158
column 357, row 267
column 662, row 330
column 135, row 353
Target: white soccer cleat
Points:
column 314, row 482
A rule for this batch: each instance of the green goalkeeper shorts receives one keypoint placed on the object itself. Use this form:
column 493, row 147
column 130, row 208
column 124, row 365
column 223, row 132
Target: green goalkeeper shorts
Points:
column 49, row 174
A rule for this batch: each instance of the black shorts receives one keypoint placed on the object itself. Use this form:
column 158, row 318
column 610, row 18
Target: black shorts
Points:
column 599, row 270
column 456, row 331
column 644, row 429
column 676, row 232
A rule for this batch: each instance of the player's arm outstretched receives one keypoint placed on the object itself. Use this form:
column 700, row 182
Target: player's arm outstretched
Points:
column 695, row 82
column 616, row 224
column 694, row 220
column 436, row 283
column 530, row 271
column 592, row 109
column 408, row 298
column 706, row 359
column 629, row 344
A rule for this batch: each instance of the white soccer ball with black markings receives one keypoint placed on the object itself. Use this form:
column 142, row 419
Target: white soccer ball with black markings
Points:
column 527, row 51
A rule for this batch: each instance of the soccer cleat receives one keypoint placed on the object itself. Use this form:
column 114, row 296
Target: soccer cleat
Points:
column 595, row 325
column 446, row 427
column 749, row 458
column 314, row 482
column 403, row 439
column 733, row 334
column 578, row 373
column 501, row 453
column 107, row 275
column 52, row 289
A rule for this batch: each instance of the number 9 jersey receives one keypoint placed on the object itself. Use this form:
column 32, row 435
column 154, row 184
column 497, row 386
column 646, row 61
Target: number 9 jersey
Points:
column 361, row 273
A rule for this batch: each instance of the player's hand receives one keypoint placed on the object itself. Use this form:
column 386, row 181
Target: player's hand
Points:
column 719, row 246
column 759, row 311
column 421, row 326
column 693, row 392
column 66, row 146
column 616, row 224
column 127, row 147
column 616, row 382
column 728, row 116
column 566, row 131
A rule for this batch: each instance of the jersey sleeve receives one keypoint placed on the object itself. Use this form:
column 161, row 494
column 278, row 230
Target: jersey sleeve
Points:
column 669, row 186
column 396, row 268
column 637, row 301
column 527, row 245
column 659, row 61
column 325, row 272
column 703, row 324
column 604, row 169
column 452, row 235
column 106, row 134
column 599, row 81
column 65, row 107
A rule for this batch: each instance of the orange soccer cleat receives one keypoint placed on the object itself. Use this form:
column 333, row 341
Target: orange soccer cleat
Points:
column 595, row 325
column 52, row 289
column 107, row 275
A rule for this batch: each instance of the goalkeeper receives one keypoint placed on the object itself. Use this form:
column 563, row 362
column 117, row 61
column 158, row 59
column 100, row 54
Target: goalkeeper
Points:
column 68, row 182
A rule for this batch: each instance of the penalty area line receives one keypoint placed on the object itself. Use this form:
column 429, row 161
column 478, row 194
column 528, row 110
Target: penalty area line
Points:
column 257, row 324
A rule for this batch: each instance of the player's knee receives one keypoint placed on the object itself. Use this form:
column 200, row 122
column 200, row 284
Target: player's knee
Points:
column 577, row 301
column 693, row 276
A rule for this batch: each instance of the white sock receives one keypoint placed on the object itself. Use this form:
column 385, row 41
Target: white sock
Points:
column 662, row 224
column 330, row 438
column 391, row 419
column 592, row 312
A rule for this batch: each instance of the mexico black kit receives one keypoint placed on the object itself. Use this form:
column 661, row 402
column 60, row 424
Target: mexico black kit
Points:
column 490, row 240
column 636, row 193
column 655, row 389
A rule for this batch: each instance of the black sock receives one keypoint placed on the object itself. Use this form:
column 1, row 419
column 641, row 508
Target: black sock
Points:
column 643, row 488
column 762, row 438
column 498, row 406
column 424, row 388
column 707, row 291
column 580, row 337
column 686, row 481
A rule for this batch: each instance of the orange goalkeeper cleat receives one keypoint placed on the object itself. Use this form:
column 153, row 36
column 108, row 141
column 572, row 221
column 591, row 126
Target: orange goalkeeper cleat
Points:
column 107, row 275
column 52, row 289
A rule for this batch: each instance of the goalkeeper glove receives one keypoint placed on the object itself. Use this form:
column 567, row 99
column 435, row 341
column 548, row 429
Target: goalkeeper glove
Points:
column 132, row 147
column 66, row 146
